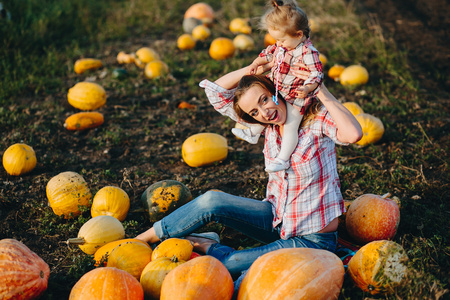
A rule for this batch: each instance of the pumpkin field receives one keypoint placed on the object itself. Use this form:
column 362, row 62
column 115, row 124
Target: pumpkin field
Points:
column 102, row 99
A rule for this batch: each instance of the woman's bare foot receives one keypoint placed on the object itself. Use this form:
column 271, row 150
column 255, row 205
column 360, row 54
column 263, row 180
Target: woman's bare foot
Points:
column 203, row 241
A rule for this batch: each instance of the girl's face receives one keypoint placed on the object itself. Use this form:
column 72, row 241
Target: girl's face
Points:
column 285, row 40
column 257, row 102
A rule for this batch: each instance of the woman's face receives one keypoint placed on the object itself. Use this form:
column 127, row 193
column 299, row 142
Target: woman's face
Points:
column 257, row 102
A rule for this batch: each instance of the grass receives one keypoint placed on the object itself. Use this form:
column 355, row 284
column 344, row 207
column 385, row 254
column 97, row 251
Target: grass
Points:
column 41, row 42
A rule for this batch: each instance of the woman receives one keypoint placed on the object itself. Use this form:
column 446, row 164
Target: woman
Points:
column 302, row 204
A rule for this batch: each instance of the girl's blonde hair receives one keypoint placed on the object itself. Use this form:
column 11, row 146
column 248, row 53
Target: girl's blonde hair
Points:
column 286, row 16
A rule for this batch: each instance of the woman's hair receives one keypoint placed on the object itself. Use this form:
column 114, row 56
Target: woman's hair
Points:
column 249, row 81
column 286, row 16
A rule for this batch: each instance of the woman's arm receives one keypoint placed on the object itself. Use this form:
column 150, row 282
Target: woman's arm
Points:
column 230, row 80
column 348, row 128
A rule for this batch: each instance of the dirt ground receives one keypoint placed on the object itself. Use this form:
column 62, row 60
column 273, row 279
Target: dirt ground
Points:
column 420, row 27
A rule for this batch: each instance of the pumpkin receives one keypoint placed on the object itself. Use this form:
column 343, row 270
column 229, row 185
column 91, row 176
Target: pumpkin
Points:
column 240, row 25
column 111, row 201
column 335, row 72
column 200, row 11
column 354, row 75
column 201, row 32
column 186, row 105
column 155, row 69
column 131, row 257
column 185, row 42
column 23, row 274
column 163, row 197
column 313, row 25
column 269, row 40
column 19, row 159
column 293, row 273
column 353, row 107
column 180, row 248
column 372, row 128
column 84, row 64
column 372, row 217
column 119, row 73
column 145, row 55
column 97, row 232
column 341, row 220
column 83, row 121
column 378, row 267
column 65, row 192
column 87, row 96
column 203, row 278
column 107, row 283
column 323, row 59
column 101, row 255
column 124, row 58
column 243, row 42
column 203, row 149
column 190, row 23
column 154, row 273
column 221, row 48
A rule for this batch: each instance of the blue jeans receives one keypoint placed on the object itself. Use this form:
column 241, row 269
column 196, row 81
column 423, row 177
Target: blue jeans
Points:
column 251, row 217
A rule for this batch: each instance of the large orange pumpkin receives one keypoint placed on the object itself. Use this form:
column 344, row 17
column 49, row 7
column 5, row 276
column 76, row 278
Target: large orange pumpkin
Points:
column 378, row 267
column 294, row 273
column 371, row 217
column 131, row 257
column 107, row 284
column 101, row 255
column 204, row 277
column 23, row 274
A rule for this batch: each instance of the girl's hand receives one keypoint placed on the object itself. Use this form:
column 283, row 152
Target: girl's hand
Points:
column 252, row 69
column 302, row 92
column 300, row 70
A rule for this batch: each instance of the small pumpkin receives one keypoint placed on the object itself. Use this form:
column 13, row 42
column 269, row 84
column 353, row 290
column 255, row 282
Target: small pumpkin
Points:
column 186, row 42
column 87, row 96
column 131, row 257
column 145, row 55
column 124, row 58
column 354, row 75
column 111, row 201
column 163, row 197
column 155, row 69
column 186, row 105
column 323, row 59
column 66, row 192
column 269, row 40
column 335, row 72
column 84, row 64
column 97, row 232
column 371, row 217
column 201, row 11
column 203, row 278
column 23, row 274
column 154, row 273
column 19, row 159
column 372, row 128
column 240, row 25
column 107, row 283
column 353, row 107
column 201, row 32
column 378, row 267
column 203, row 149
column 293, row 273
column 244, row 42
column 180, row 248
column 101, row 255
column 221, row 48
column 84, row 120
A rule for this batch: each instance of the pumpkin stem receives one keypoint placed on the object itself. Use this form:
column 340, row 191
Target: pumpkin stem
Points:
column 174, row 259
column 386, row 195
column 76, row 241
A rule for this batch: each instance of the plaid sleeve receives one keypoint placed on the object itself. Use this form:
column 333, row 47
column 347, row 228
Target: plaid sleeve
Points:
column 324, row 125
column 268, row 52
column 314, row 65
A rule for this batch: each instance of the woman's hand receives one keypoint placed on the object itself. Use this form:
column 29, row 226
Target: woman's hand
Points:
column 300, row 70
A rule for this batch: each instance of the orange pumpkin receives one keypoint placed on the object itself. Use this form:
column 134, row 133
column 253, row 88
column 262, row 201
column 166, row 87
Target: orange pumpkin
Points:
column 23, row 274
column 200, row 11
column 372, row 217
column 378, row 267
column 131, row 257
column 203, row 278
column 111, row 201
column 19, row 159
column 84, row 120
column 180, row 248
column 294, row 273
column 107, row 283
column 221, row 48
column 101, row 255
column 269, row 40
column 84, row 64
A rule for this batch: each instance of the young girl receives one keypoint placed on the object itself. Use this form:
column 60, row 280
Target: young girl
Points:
column 287, row 24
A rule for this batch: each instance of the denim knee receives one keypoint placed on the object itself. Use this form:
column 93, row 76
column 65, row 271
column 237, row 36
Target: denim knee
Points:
column 208, row 201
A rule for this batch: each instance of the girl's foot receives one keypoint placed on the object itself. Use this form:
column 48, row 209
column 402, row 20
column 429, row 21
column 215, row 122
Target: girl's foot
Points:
column 202, row 241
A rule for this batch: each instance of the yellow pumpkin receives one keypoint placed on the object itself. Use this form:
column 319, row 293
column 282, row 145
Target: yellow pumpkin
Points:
column 84, row 120
column 203, row 149
column 111, row 201
column 244, row 42
column 221, row 48
column 354, row 75
column 240, row 25
column 66, row 192
column 97, row 232
column 372, row 128
column 155, row 69
column 153, row 275
column 190, row 23
column 335, row 72
column 101, row 255
column 269, row 40
column 180, row 248
column 353, row 107
column 186, row 42
column 378, row 267
column 19, row 159
column 84, row 64
column 146, row 55
column 313, row 25
column 201, row 33
column 124, row 58
column 131, row 257
column 87, row 96
column 323, row 59
column 200, row 11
